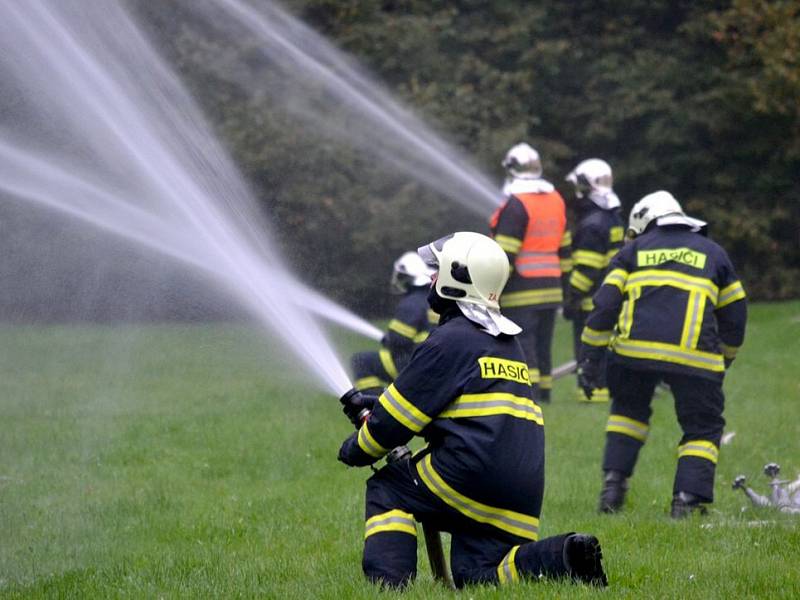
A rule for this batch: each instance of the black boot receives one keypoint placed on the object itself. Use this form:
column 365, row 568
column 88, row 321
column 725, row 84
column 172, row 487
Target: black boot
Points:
column 583, row 559
column 612, row 497
column 684, row 504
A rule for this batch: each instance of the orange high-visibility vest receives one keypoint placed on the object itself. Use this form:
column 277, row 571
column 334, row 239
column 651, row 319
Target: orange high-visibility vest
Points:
column 547, row 219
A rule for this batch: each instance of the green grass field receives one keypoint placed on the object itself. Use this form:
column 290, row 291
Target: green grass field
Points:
column 191, row 461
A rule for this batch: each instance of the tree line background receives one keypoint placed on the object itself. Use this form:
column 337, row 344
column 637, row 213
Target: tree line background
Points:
column 699, row 98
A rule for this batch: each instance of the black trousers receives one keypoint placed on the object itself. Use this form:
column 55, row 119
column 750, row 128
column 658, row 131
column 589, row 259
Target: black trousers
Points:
column 699, row 404
column 536, row 338
column 479, row 553
column 369, row 374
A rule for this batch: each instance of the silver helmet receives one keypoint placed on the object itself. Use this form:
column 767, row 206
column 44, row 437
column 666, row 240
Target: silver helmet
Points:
column 522, row 162
column 591, row 175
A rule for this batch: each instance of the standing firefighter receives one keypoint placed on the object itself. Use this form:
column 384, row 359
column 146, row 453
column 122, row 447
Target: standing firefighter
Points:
column 680, row 315
column 531, row 227
column 412, row 321
column 596, row 237
column 481, row 477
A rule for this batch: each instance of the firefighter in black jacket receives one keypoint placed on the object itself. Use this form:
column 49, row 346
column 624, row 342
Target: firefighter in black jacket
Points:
column 680, row 315
column 597, row 235
column 466, row 390
column 410, row 325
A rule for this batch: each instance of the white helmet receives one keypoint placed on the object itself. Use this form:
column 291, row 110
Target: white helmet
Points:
column 591, row 175
column 522, row 162
column 410, row 270
column 472, row 268
column 662, row 207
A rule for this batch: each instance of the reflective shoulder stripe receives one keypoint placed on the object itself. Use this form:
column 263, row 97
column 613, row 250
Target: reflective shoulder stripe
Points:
column 403, row 329
column 700, row 449
column 421, row 337
column 403, row 411
column 529, row 297
column 388, row 362
column 658, row 277
column 368, row 444
column 617, row 278
column 492, row 404
column 590, row 259
column 433, row 317
column 730, row 294
column 566, row 239
column 580, row 281
column 594, row 337
column 508, row 243
column 627, row 426
column 507, row 570
column 671, row 353
column 393, row 520
column 525, row 526
column 616, row 234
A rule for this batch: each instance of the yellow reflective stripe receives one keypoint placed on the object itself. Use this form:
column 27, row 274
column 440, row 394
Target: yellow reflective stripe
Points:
column 626, row 314
column 546, row 382
column 492, row 404
column 433, row 317
column 368, row 444
column 402, row 410
column 587, row 304
column 671, row 353
column 700, row 449
column 616, row 234
column 594, row 337
column 580, row 281
column 730, row 294
column 729, row 351
column 600, row 395
column 525, row 526
column 393, row 520
column 543, row 296
column 659, row 256
column 693, row 321
column 627, row 426
column 566, row 239
column 590, row 259
column 421, row 337
column 657, row 277
column 611, row 254
column 507, row 570
column 565, row 264
column 508, row 243
column 533, row 376
column 369, row 382
column 617, row 277
column 388, row 362
column 403, row 329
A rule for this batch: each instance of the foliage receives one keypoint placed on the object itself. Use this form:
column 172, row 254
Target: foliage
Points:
column 700, row 98
column 193, row 462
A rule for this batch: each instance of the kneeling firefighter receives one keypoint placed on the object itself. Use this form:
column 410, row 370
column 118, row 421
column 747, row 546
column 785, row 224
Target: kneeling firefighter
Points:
column 410, row 325
column 466, row 391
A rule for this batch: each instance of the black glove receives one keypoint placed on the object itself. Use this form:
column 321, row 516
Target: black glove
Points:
column 572, row 309
column 590, row 376
column 352, row 455
column 354, row 402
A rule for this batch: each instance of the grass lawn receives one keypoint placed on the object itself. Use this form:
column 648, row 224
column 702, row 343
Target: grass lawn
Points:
column 193, row 461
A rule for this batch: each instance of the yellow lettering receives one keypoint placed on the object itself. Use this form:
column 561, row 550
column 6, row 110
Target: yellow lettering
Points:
column 501, row 368
column 684, row 256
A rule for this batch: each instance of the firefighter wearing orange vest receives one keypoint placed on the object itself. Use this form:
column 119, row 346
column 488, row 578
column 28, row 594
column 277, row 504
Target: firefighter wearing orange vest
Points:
column 531, row 227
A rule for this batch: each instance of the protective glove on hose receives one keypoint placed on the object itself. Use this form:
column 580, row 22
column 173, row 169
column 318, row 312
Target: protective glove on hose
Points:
column 354, row 403
column 351, row 454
